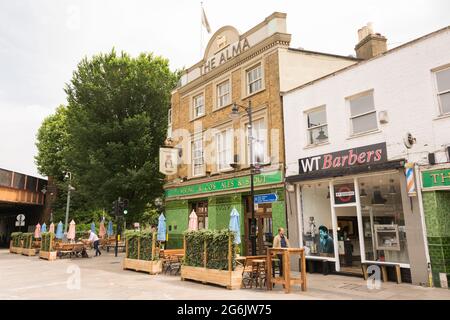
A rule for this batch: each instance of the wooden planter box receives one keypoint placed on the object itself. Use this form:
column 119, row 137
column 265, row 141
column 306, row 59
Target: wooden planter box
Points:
column 48, row 255
column 226, row 278
column 29, row 252
column 15, row 250
column 152, row 267
column 229, row 279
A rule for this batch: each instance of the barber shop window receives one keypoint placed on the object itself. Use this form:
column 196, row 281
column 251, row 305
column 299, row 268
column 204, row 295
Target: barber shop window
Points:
column 317, row 220
column 443, row 88
column 317, row 126
column 363, row 116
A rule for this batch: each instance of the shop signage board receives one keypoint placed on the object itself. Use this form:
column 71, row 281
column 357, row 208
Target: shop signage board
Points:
column 436, row 179
column 344, row 193
column 168, row 161
column 226, row 184
column 371, row 154
column 20, row 220
column 265, row 198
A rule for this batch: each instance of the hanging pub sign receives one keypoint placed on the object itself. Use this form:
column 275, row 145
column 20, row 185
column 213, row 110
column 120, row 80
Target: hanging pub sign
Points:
column 344, row 193
column 375, row 153
column 168, row 161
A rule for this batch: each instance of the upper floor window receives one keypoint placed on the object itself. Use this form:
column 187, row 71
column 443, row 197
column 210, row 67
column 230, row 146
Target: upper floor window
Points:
column 254, row 79
column 199, row 105
column 317, row 126
column 259, row 134
column 224, row 143
column 363, row 115
column 443, row 88
column 223, row 94
column 197, row 157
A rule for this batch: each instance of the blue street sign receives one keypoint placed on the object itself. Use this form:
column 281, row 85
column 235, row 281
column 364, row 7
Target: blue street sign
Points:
column 265, row 198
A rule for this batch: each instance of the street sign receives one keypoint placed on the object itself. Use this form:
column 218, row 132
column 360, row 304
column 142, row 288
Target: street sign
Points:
column 20, row 220
column 265, row 198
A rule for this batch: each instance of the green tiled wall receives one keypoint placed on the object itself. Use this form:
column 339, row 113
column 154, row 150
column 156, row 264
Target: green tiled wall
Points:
column 219, row 209
column 437, row 217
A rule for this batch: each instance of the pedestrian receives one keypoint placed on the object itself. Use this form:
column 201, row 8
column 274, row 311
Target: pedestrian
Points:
column 94, row 239
column 280, row 241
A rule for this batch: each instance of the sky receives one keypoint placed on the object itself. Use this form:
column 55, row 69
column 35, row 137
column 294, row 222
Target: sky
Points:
column 42, row 41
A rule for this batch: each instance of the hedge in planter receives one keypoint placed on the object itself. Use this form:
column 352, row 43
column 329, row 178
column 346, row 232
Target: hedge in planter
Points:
column 27, row 240
column 141, row 253
column 16, row 237
column 217, row 242
column 47, row 240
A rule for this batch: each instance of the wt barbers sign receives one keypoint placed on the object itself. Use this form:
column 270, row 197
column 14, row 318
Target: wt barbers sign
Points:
column 375, row 153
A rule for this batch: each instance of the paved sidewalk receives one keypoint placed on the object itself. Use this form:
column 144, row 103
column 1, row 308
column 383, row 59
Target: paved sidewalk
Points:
column 24, row 277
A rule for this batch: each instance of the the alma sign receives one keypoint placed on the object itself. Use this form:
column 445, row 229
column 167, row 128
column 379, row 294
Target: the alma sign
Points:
column 375, row 153
column 224, row 55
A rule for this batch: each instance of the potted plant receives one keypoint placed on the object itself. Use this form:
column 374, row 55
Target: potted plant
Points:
column 27, row 244
column 15, row 245
column 47, row 251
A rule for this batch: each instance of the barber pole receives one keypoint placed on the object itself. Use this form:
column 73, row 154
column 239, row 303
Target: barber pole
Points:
column 410, row 182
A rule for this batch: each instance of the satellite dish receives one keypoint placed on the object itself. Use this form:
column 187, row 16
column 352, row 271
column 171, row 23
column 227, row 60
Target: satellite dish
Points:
column 409, row 140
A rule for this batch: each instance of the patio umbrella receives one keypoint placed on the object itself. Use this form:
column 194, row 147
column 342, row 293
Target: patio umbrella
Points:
column 37, row 231
column 93, row 227
column 161, row 228
column 110, row 230
column 44, row 227
column 102, row 229
column 193, row 221
column 71, row 233
column 52, row 228
column 59, row 231
column 235, row 225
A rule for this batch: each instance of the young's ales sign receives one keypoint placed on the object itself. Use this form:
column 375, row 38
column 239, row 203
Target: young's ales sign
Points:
column 375, row 153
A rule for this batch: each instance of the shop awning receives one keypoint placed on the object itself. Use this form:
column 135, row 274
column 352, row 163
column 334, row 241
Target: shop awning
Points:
column 324, row 174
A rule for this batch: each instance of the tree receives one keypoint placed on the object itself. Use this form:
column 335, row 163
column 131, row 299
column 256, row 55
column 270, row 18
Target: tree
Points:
column 116, row 122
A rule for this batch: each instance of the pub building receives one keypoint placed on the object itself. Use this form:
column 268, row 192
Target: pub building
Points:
column 206, row 158
column 367, row 162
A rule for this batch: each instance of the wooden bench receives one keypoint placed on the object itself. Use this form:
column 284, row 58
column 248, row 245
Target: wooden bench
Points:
column 383, row 266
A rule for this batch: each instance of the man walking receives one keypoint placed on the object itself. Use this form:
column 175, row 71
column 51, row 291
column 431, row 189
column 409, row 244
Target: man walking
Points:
column 280, row 241
column 94, row 239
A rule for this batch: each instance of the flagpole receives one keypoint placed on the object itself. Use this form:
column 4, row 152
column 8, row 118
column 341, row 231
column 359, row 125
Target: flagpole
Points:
column 201, row 29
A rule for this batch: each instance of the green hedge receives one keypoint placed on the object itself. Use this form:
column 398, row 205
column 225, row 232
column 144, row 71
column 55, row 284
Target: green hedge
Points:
column 27, row 240
column 47, row 240
column 144, row 239
column 216, row 249
column 16, row 237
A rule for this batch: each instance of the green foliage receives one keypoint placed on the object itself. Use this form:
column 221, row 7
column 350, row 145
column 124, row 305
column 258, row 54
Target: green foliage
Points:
column 27, row 240
column 216, row 249
column 142, row 241
column 109, row 134
column 47, row 240
column 16, row 237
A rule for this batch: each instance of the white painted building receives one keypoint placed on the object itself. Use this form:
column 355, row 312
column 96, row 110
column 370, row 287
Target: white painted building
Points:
column 355, row 129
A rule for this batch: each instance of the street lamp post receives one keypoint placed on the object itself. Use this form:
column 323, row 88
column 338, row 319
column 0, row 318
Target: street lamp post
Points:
column 235, row 115
column 69, row 188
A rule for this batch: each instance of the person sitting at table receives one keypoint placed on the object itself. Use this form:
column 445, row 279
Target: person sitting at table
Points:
column 95, row 240
column 280, row 241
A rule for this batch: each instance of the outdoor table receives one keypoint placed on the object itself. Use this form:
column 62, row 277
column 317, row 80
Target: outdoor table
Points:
column 286, row 280
column 259, row 271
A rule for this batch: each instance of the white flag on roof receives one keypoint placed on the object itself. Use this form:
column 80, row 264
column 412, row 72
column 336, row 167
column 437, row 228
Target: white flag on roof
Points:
column 205, row 21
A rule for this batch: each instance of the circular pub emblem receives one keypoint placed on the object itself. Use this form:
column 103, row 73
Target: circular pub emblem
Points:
column 345, row 194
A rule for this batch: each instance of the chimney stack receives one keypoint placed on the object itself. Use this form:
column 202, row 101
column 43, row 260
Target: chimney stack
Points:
column 370, row 44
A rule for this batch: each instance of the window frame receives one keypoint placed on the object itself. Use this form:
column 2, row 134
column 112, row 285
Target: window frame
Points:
column 309, row 129
column 266, row 142
column 195, row 106
column 169, row 123
column 359, row 115
column 194, row 158
column 228, row 132
column 260, row 79
column 438, row 93
column 219, row 97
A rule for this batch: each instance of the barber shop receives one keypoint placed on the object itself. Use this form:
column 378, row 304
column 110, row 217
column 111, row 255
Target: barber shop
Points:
column 352, row 212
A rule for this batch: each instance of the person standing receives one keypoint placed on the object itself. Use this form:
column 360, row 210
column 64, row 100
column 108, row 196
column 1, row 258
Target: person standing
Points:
column 280, row 241
column 95, row 240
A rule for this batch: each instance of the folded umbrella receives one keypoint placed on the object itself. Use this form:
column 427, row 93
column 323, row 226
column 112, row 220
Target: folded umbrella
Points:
column 44, row 227
column 102, row 229
column 71, row 233
column 52, row 228
column 59, row 231
column 193, row 221
column 37, row 231
column 161, row 228
column 93, row 227
column 110, row 230
column 235, row 226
